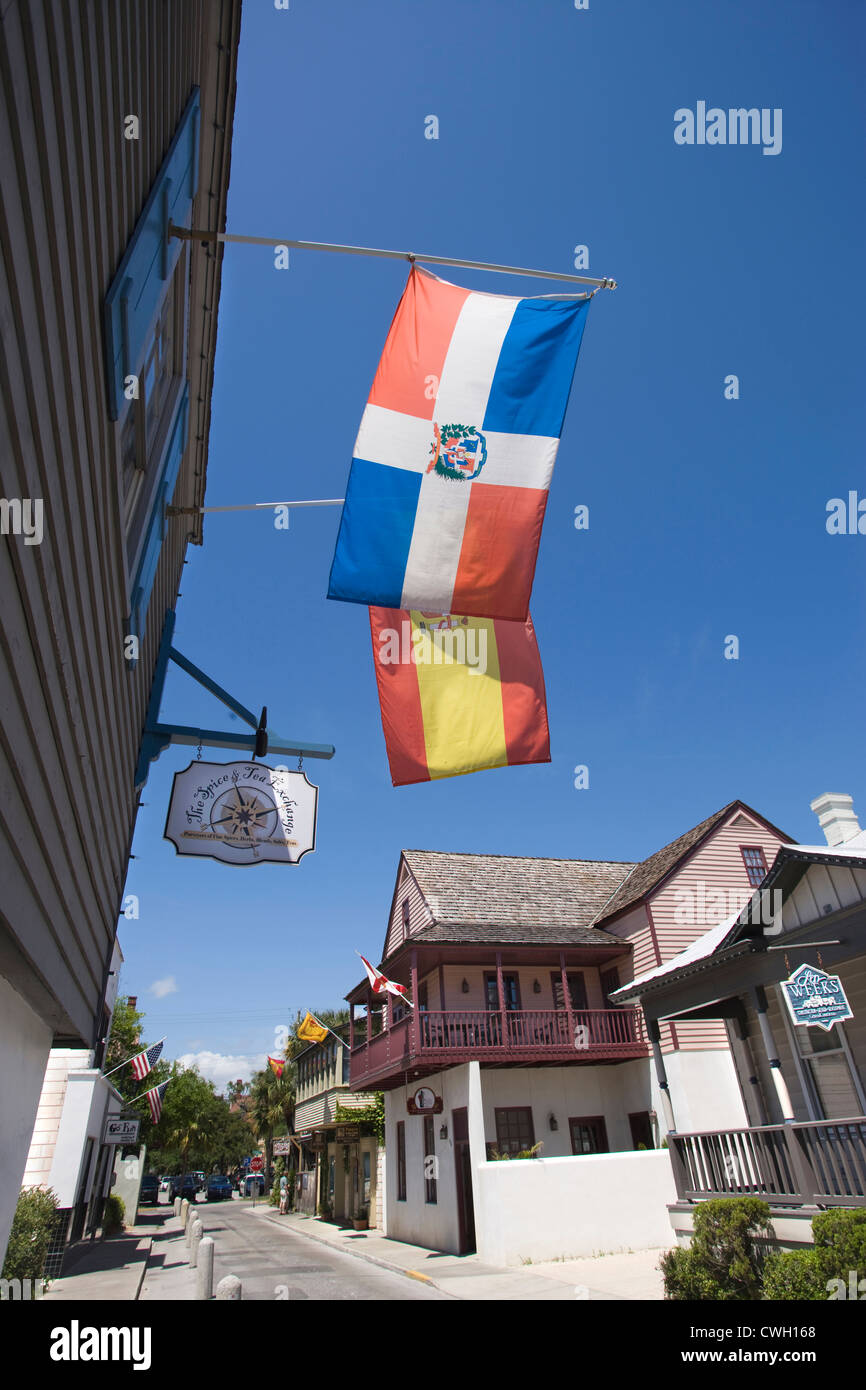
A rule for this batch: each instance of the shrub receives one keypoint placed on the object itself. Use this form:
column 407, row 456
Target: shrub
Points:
column 794, row 1275
column 32, row 1228
column 723, row 1263
column 840, row 1241
column 113, row 1215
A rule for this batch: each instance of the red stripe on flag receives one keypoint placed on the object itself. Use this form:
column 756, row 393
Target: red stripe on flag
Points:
column 524, row 701
column 416, row 346
column 399, row 698
column 499, row 550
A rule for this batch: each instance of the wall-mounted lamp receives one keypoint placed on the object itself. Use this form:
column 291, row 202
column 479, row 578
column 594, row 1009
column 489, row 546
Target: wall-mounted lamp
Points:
column 536, row 987
column 443, row 1131
column 465, row 987
column 553, row 1122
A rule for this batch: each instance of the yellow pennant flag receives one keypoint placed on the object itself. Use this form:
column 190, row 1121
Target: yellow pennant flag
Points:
column 277, row 1064
column 311, row 1030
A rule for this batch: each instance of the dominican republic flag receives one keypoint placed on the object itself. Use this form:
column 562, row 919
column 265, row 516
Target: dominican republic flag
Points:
column 143, row 1063
column 457, row 694
column 453, row 460
column 382, row 985
column 154, row 1100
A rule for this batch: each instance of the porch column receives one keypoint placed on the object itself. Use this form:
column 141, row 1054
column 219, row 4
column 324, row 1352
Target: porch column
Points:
column 441, row 987
column 351, row 1028
column 477, row 1150
column 369, row 1021
column 759, row 997
column 661, row 1074
column 566, row 996
column 413, row 987
column 500, row 990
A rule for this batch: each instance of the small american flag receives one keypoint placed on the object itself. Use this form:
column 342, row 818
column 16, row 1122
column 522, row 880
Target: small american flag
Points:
column 154, row 1100
column 143, row 1063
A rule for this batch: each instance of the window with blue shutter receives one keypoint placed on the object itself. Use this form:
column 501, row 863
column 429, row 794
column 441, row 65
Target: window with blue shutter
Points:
column 157, row 526
column 150, row 259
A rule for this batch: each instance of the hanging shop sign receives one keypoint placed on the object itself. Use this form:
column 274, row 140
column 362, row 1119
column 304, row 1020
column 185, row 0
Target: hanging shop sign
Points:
column 282, row 1147
column 242, row 813
column 815, row 999
column 121, row 1131
column 347, row 1134
column 424, row 1102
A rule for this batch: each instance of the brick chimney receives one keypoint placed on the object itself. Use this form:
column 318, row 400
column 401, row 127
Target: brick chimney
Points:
column 836, row 817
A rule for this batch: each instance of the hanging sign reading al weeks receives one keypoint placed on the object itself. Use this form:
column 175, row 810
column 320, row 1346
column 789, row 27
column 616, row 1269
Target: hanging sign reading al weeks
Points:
column 242, row 813
column 816, row 999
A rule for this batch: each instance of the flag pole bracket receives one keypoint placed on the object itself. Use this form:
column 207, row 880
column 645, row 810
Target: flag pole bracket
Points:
column 157, row 736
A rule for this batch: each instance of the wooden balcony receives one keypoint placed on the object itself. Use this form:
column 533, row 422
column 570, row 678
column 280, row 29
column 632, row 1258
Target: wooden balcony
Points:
column 522, row 1037
column 819, row 1163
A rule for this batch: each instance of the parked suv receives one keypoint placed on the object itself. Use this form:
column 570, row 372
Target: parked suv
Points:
column 219, row 1188
column 148, row 1195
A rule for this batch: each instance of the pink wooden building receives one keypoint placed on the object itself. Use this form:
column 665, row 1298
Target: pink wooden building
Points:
column 511, row 963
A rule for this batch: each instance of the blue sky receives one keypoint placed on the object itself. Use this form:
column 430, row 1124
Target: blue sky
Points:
column 707, row 516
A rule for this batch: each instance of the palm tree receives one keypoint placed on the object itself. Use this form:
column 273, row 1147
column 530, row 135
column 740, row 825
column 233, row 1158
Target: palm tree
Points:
column 273, row 1103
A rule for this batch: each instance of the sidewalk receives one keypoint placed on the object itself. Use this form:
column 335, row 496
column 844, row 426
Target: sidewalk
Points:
column 148, row 1256
column 611, row 1277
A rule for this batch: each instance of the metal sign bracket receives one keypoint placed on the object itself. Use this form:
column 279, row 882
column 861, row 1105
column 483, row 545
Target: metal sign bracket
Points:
column 156, row 736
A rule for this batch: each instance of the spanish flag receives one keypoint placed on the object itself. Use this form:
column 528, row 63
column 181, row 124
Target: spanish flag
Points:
column 311, row 1030
column 276, row 1065
column 457, row 694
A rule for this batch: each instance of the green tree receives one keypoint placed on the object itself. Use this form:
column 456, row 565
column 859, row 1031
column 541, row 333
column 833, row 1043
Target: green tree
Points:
column 125, row 1041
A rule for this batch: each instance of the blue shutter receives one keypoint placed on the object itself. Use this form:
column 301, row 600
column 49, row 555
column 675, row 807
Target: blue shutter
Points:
column 150, row 258
column 157, row 527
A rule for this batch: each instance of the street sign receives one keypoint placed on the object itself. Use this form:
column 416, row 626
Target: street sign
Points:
column 815, row 999
column 120, row 1131
column 242, row 813
column 282, row 1147
column 257, row 1164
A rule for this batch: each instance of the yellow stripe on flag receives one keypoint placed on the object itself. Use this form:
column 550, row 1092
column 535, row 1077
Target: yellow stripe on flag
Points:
column 461, row 699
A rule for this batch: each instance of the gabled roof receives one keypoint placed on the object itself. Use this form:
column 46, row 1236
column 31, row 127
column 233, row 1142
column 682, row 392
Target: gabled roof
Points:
column 498, row 897
column 736, row 929
column 648, row 875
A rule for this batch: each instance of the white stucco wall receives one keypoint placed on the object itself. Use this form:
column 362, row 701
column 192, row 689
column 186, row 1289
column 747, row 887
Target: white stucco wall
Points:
column 569, row 1092
column 435, row 1227
column 89, row 1098
column 548, row 1209
column 61, row 1061
column 25, row 1042
column 704, row 1091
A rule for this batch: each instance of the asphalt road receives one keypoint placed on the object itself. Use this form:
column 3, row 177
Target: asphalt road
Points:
column 275, row 1264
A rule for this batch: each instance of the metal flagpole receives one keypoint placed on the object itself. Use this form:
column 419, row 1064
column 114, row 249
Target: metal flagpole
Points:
column 130, row 1059
column 191, row 234
column 254, row 506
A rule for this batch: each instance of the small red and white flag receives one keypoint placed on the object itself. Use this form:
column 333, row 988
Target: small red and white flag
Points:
column 144, row 1061
column 382, row 985
column 154, row 1100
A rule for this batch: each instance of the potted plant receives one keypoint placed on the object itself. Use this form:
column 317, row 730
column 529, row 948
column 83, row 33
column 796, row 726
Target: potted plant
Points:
column 361, row 1220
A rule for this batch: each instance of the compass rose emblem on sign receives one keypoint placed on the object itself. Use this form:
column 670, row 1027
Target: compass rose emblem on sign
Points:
column 242, row 813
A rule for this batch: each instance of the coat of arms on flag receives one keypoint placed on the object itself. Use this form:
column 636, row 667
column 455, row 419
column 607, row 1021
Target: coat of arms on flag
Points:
column 452, row 464
column 457, row 694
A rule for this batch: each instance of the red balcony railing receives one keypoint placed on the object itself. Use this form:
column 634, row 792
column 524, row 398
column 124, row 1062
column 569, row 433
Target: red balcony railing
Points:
column 522, row 1035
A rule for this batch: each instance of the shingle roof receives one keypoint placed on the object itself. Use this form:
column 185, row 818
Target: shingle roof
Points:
column 645, row 876
column 497, row 897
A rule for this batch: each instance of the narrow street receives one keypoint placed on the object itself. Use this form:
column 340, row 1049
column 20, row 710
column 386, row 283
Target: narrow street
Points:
column 274, row 1263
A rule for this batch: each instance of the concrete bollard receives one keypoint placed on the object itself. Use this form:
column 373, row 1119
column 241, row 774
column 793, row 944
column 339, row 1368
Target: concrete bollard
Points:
column 230, row 1287
column 190, row 1227
column 177, row 1206
column 204, row 1269
column 184, row 1212
column 195, row 1239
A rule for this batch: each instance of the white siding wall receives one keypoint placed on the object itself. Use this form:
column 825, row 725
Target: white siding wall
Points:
column 25, row 1042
